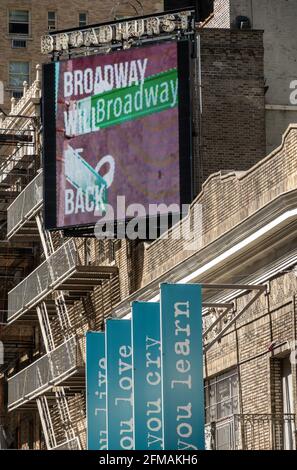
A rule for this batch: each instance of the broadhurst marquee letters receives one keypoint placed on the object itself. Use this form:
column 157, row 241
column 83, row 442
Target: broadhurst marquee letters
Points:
column 105, row 35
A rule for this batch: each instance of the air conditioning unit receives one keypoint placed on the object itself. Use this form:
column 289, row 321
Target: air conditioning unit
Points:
column 18, row 43
column 243, row 22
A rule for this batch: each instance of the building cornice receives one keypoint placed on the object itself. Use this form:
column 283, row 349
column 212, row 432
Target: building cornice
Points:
column 273, row 225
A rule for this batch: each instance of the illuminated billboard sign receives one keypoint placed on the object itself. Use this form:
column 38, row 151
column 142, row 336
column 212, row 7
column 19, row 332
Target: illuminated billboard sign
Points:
column 116, row 133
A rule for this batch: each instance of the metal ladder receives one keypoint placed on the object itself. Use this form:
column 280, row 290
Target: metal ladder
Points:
column 45, row 327
column 60, row 303
column 48, row 339
column 63, row 315
column 64, row 412
column 46, row 422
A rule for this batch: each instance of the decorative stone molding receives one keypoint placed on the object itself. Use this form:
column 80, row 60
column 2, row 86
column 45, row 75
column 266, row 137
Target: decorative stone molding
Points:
column 29, row 93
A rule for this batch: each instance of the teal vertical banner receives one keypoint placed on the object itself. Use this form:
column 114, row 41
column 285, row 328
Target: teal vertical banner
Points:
column 182, row 367
column 119, row 384
column 96, row 391
column 146, row 346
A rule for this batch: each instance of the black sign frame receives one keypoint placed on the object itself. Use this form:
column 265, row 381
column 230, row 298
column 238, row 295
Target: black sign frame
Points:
column 49, row 143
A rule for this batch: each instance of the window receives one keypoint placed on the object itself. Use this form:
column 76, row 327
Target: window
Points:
column 51, row 20
column 221, row 399
column 221, row 396
column 17, row 94
column 287, row 404
column 18, row 74
column 82, row 19
column 18, row 22
column 18, row 43
column 1, row 92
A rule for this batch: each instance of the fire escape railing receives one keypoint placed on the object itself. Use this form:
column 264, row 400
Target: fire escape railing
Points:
column 42, row 280
column 44, row 373
column 25, row 205
column 72, row 444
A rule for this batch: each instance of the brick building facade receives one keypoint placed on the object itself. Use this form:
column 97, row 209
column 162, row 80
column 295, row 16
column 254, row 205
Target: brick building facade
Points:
column 228, row 101
column 22, row 23
column 277, row 20
column 254, row 354
column 246, row 236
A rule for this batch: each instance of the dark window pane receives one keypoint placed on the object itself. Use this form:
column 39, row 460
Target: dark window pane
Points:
column 82, row 19
column 17, row 94
column 18, row 28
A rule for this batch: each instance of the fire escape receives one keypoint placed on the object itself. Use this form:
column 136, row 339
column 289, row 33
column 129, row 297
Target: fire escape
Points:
column 18, row 163
column 48, row 296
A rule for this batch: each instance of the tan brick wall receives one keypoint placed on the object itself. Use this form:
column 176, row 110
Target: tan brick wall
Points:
column 246, row 348
column 248, row 351
column 272, row 318
column 230, row 132
column 67, row 17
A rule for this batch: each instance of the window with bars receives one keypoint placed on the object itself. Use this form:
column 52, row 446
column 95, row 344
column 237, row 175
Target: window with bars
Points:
column 51, row 20
column 17, row 94
column 18, row 74
column 18, row 22
column 221, row 396
column 221, row 399
column 82, row 19
column 18, row 43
